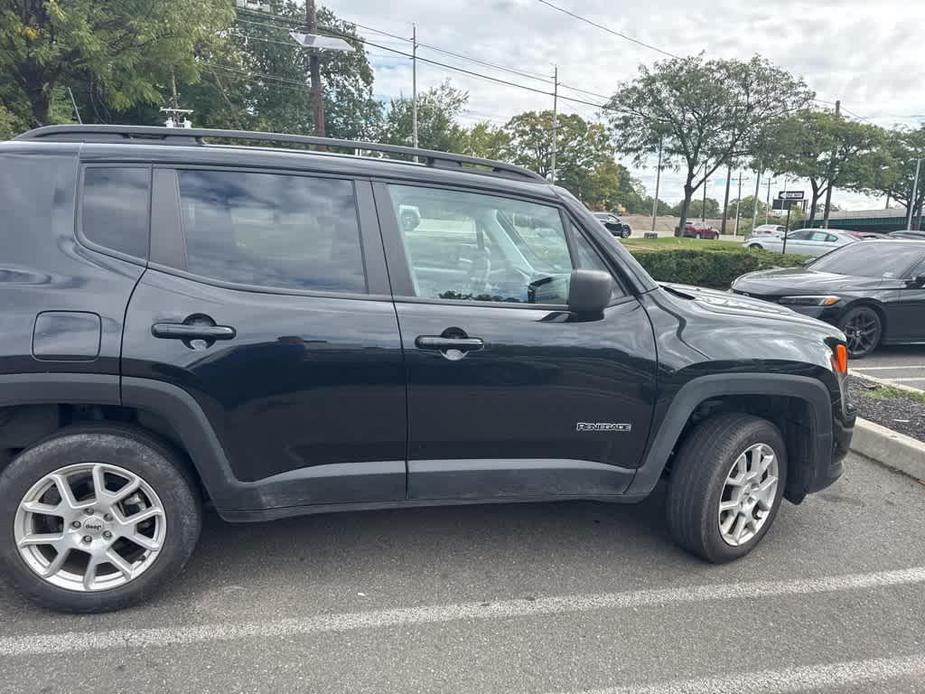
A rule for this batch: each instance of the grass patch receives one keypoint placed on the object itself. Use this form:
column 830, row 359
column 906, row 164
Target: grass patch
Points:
column 664, row 243
column 883, row 392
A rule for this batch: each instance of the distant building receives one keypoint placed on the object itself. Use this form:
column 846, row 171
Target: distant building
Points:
column 869, row 220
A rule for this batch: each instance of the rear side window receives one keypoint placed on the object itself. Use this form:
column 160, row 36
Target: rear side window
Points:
column 114, row 208
column 272, row 230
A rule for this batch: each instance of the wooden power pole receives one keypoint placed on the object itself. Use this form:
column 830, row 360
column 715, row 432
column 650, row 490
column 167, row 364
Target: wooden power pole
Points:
column 314, row 69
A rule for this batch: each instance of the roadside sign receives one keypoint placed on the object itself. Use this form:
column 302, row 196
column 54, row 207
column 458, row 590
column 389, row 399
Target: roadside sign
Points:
column 790, row 195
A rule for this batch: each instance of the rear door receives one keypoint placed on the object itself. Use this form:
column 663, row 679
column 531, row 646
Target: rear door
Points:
column 508, row 394
column 906, row 321
column 266, row 299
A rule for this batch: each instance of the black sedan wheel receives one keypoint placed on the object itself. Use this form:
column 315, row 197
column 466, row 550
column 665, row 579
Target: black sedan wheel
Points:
column 626, row 233
column 863, row 328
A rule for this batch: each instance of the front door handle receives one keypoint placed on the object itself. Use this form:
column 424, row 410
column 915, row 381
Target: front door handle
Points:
column 192, row 331
column 438, row 342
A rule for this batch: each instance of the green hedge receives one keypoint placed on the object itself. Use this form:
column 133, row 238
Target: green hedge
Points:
column 709, row 267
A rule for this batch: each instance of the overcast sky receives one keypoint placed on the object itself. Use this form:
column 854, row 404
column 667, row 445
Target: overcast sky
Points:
column 868, row 53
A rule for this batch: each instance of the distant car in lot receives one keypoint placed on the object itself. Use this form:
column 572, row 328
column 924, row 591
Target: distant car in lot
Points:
column 907, row 234
column 769, row 230
column 865, row 234
column 613, row 224
column 874, row 292
column 697, row 230
column 812, row 242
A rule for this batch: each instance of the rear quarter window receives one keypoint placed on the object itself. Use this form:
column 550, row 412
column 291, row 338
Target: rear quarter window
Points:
column 114, row 208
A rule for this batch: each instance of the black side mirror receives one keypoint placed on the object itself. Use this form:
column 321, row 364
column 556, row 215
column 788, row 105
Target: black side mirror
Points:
column 589, row 292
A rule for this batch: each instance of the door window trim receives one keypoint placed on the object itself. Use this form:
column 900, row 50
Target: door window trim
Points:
column 399, row 264
column 166, row 232
column 79, row 208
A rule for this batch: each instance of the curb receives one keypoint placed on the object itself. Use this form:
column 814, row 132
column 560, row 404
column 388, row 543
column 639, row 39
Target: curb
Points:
column 889, row 448
column 884, row 382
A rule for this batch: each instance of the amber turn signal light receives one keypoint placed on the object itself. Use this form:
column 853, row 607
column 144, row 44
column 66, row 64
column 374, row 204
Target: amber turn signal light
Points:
column 840, row 359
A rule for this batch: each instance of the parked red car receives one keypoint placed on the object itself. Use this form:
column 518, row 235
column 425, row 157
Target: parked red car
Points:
column 697, row 230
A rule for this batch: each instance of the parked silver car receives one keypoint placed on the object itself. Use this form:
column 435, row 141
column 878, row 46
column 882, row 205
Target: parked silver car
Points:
column 812, row 242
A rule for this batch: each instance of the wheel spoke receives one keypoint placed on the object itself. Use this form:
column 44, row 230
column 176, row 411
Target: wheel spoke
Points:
column 117, row 561
column 65, row 492
column 55, row 565
column 99, row 483
column 739, row 528
column 130, row 488
column 40, row 508
column 41, row 539
column 730, row 505
column 147, row 513
column 143, row 541
column 89, row 577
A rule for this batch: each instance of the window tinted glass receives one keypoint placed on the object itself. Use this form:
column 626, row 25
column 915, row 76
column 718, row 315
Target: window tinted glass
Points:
column 114, row 210
column 469, row 246
column 868, row 259
column 800, row 235
column 271, row 230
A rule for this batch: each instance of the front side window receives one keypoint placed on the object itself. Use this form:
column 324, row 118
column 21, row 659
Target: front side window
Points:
column 272, row 230
column 114, row 208
column 476, row 247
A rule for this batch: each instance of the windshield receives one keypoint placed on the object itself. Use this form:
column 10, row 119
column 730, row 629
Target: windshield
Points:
column 870, row 259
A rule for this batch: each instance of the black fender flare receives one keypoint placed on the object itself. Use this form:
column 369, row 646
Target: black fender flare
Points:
column 662, row 440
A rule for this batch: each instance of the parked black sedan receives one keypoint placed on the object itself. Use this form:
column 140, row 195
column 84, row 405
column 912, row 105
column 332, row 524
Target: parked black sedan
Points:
column 614, row 224
column 874, row 291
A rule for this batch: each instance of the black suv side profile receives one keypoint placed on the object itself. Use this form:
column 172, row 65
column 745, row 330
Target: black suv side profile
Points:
column 277, row 332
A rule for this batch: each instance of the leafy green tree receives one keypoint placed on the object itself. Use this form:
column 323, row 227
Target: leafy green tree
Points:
column 128, row 49
column 486, row 141
column 893, row 172
column 438, row 110
column 825, row 149
column 746, row 209
column 703, row 113
column 662, row 210
column 697, row 207
column 8, row 124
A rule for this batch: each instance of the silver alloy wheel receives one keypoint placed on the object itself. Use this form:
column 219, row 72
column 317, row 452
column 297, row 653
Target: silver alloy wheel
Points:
column 90, row 527
column 748, row 494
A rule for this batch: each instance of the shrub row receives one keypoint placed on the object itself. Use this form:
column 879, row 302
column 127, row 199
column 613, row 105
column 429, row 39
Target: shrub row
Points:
column 709, row 267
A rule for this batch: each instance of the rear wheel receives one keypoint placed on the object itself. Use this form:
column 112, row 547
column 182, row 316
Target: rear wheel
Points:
column 756, row 246
column 726, row 486
column 95, row 519
column 863, row 329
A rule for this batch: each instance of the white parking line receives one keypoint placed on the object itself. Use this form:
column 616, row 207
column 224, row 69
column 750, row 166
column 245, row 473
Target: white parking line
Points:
column 907, row 379
column 812, row 677
column 888, row 368
column 39, row 644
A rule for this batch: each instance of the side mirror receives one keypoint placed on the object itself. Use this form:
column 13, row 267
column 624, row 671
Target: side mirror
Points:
column 917, row 281
column 589, row 292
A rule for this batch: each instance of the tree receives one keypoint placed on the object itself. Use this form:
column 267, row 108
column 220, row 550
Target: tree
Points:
column 696, row 209
column 438, row 109
column 127, row 49
column 746, row 207
column 705, row 113
column 893, row 172
column 8, row 124
column 486, row 141
column 825, row 149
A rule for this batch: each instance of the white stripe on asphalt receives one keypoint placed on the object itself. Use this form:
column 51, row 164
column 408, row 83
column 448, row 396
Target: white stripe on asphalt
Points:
column 887, row 368
column 906, row 380
column 36, row 644
column 798, row 679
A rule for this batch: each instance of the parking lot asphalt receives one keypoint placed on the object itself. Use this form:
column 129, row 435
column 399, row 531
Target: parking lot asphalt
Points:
column 567, row 597
column 904, row 365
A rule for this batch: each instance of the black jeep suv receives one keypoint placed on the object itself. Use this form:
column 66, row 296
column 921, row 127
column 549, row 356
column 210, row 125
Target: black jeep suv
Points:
column 261, row 329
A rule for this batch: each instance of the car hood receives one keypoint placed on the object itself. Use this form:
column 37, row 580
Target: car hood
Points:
column 728, row 303
column 801, row 280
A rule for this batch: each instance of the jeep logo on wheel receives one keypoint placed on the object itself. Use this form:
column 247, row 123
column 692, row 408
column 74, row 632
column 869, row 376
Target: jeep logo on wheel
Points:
column 93, row 525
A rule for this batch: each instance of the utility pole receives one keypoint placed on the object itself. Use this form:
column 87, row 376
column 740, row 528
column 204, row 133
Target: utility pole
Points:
column 414, row 86
column 314, row 69
column 726, row 201
column 755, row 199
column 176, row 116
column 915, row 193
column 767, row 209
column 658, row 182
column 828, row 193
column 74, row 104
column 703, row 208
column 555, row 119
column 738, row 205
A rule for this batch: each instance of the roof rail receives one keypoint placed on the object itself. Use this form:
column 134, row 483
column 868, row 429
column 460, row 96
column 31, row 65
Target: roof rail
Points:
column 158, row 134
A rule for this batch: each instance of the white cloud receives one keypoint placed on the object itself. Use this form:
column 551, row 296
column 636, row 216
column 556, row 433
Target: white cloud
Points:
column 865, row 52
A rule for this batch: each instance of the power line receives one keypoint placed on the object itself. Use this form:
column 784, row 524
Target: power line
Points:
column 608, row 29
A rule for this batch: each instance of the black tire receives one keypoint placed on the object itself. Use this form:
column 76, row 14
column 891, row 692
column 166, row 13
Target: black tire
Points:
column 756, row 246
column 863, row 328
column 135, row 451
column 626, row 233
column 698, row 477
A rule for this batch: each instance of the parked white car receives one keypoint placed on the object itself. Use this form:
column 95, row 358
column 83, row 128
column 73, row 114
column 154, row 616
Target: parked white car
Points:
column 769, row 230
column 812, row 242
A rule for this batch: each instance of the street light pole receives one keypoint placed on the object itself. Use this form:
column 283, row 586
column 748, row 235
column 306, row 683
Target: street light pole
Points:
column 915, row 192
column 658, row 182
column 414, row 86
column 314, row 69
column 755, row 199
column 738, row 205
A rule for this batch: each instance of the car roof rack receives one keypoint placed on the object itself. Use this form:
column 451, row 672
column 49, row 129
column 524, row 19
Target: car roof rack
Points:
column 153, row 134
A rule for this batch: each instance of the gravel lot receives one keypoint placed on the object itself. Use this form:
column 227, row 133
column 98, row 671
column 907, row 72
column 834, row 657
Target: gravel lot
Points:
column 570, row 597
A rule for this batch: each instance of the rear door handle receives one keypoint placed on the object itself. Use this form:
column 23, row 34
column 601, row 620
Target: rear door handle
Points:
column 437, row 342
column 192, row 331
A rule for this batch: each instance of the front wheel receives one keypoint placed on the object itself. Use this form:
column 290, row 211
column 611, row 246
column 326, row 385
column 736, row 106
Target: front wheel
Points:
column 726, row 486
column 626, row 233
column 95, row 519
column 756, row 246
column 863, row 329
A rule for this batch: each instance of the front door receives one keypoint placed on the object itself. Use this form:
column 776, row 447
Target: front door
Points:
column 508, row 394
column 263, row 304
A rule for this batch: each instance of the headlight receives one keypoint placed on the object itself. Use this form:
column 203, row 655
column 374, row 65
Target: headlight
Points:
column 827, row 300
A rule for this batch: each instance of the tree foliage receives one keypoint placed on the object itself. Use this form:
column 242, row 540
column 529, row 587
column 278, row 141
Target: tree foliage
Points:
column 438, row 110
column 893, row 173
column 825, row 149
column 124, row 49
column 703, row 113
